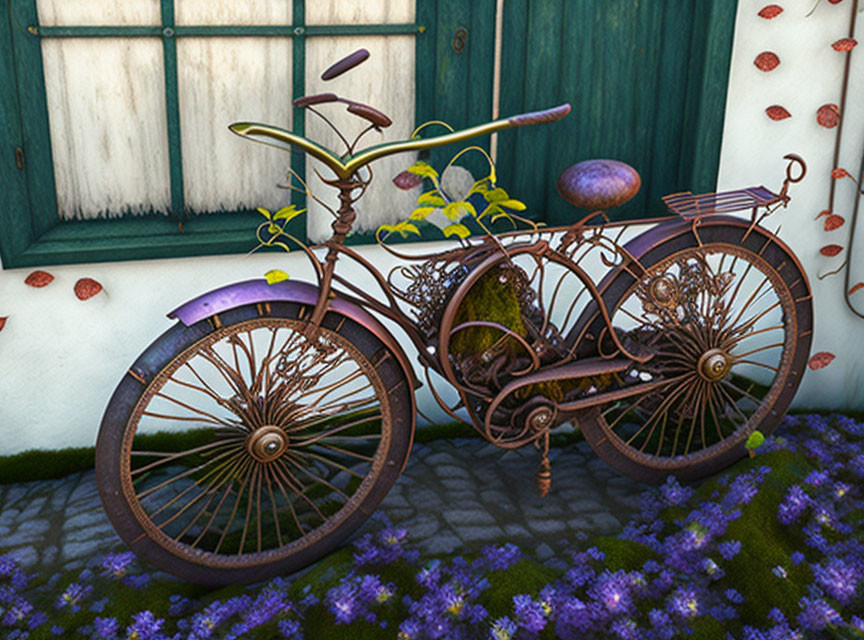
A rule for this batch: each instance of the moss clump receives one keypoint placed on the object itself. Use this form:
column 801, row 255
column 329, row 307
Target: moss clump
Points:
column 624, row 555
column 489, row 300
column 45, row 465
column 526, row 576
column 767, row 544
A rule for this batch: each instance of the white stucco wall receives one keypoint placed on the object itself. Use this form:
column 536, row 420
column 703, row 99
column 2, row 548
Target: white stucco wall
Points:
column 809, row 76
column 61, row 358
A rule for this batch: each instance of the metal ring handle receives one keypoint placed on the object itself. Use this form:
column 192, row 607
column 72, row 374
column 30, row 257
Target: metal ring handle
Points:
column 794, row 159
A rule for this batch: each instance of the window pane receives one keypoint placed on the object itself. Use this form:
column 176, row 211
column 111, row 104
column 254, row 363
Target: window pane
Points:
column 226, row 80
column 192, row 12
column 98, row 12
column 106, row 109
column 357, row 12
column 385, row 81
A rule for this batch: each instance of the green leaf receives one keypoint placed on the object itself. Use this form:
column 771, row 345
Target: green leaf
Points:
column 455, row 210
column 275, row 275
column 421, row 213
column 264, row 212
column 424, row 169
column 432, row 198
column 755, row 440
column 456, row 229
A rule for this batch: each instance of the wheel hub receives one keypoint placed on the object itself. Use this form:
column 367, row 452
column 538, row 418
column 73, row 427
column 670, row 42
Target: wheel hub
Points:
column 267, row 443
column 714, row 365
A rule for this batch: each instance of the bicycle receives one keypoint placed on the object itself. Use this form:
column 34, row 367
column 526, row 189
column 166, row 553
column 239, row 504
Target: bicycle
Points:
column 302, row 403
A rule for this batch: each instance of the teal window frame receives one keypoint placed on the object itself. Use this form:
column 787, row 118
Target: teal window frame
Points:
column 33, row 233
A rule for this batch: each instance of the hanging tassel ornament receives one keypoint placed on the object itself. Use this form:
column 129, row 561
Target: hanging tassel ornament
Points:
column 543, row 477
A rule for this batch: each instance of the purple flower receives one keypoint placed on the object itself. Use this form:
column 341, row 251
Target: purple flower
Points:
column 684, row 603
column 673, row 493
column 502, row 629
column 290, row 629
column 73, row 595
column 105, row 628
column 612, row 590
column 529, row 614
column 734, row 596
column 37, row 620
column 729, row 549
column 797, row 557
column 777, row 616
column 502, row 557
column 8, row 565
column 817, row 614
column 793, row 505
column 625, row 629
column 145, row 626
column 117, row 564
column 838, row 578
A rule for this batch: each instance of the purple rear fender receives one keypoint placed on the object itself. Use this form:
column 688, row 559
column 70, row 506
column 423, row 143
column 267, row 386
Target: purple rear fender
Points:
column 254, row 291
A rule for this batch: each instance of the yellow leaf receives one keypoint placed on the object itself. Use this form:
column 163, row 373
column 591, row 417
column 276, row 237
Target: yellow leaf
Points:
column 275, row 275
column 479, row 187
column 421, row 213
column 288, row 213
column 431, row 198
column 264, row 212
column 456, row 229
column 424, row 169
column 455, row 210
column 272, row 228
column 404, row 228
column 496, row 195
column 516, row 205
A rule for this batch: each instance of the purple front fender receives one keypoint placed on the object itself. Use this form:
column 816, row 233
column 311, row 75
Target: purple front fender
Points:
column 254, row 291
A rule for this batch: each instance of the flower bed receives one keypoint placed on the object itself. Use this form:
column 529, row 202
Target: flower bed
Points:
column 772, row 549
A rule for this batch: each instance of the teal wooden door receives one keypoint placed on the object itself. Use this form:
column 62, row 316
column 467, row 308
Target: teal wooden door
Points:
column 647, row 82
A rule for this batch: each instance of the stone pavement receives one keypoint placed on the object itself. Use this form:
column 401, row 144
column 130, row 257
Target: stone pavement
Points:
column 454, row 496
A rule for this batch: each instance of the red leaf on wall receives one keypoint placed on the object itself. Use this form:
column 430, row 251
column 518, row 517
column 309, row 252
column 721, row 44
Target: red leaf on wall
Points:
column 407, row 180
column 821, row 359
column 3, row 322
column 830, row 250
column 770, row 11
column 839, row 173
column 845, row 44
column 824, row 212
column 86, row 288
column 834, row 222
column 766, row 61
column 828, row 115
column 776, row 112
column 857, row 287
column 39, row 279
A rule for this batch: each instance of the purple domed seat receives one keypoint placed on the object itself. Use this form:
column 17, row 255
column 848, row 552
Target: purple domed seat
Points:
column 599, row 184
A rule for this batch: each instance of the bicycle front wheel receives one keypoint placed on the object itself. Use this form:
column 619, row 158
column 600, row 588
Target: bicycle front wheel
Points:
column 252, row 450
column 729, row 322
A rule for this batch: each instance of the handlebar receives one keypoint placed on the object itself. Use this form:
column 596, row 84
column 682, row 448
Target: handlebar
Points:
column 344, row 167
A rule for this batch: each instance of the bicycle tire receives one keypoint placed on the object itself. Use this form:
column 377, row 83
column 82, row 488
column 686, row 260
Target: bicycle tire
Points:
column 296, row 522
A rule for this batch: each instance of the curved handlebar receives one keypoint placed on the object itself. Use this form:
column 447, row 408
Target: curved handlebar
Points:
column 346, row 166
column 540, row 117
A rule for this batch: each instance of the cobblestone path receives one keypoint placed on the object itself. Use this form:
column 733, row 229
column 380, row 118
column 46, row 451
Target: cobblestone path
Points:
column 454, row 496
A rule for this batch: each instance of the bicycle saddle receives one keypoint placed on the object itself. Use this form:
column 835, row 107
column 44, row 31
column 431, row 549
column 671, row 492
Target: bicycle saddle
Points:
column 598, row 185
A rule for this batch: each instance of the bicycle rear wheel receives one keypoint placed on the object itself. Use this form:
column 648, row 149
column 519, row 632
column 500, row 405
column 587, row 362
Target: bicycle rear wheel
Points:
column 238, row 449
column 730, row 322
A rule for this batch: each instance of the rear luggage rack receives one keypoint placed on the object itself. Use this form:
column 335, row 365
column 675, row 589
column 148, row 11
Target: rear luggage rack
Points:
column 688, row 206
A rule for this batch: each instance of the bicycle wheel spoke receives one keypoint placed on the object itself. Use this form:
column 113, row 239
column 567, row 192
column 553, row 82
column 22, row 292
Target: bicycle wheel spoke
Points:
column 315, row 478
column 168, row 456
column 185, row 474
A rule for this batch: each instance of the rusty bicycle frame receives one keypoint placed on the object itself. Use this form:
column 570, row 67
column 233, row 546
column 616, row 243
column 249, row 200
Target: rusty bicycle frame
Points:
column 657, row 363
